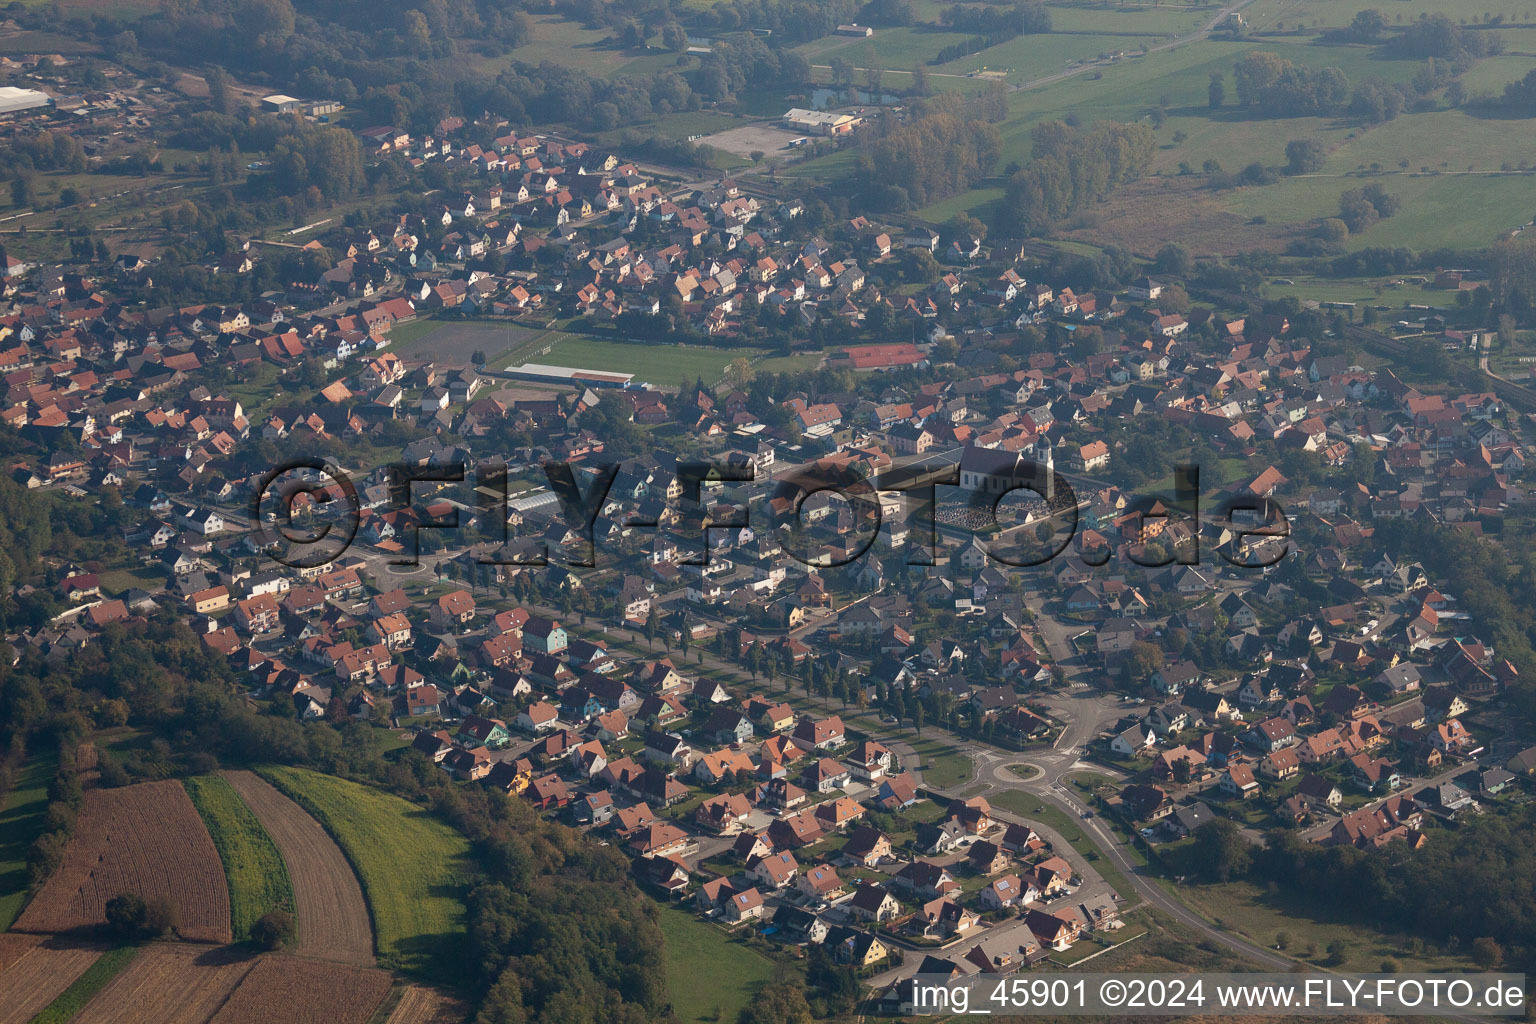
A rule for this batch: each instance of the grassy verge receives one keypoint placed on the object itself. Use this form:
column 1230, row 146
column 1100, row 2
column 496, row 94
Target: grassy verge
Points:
column 722, row 990
column 1308, row 932
column 84, row 988
column 943, row 765
column 21, row 823
column 413, row 868
column 258, row 879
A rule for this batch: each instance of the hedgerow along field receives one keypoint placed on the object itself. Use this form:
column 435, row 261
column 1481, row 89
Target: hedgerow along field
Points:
column 414, row 869
column 21, row 822
column 258, row 880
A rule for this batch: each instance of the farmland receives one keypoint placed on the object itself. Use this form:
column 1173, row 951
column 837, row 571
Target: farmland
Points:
column 293, row 990
column 332, row 916
column 1458, row 172
column 146, row 839
column 168, row 984
column 258, row 881
column 37, row 978
column 419, row 1005
column 84, row 988
column 413, row 868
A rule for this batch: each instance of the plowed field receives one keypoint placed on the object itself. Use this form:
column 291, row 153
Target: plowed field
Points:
column 333, row 918
column 293, row 990
column 145, row 839
column 38, row 976
column 169, row 985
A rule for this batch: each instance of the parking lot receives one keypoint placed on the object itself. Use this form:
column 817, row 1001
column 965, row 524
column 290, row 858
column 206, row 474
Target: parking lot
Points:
column 748, row 139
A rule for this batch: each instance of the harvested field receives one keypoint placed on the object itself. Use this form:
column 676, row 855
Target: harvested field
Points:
column 332, row 915
column 426, row 1006
column 36, row 979
column 298, row 991
column 13, row 947
column 169, row 985
column 145, row 839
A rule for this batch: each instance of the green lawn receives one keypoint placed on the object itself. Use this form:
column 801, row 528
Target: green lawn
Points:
column 710, row 976
column 73, row 999
column 413, row 868
column 20, row 823
column 943, row 765
column 258, row 880
column 116, row 581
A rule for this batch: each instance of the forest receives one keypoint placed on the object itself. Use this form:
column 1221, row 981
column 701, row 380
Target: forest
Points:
column 1072, row 168
column 946, row 149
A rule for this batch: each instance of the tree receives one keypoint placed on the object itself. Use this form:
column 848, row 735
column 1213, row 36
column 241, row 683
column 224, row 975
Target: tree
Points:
column 160, row 916
column 917, row 718
column 1144, row 659
column 674, row 37
column 920, row 86
column 778, row 1002
column 125, row 914
column 1367, row 26
column 1173, row 259
column 740, row 374
column 23, row 190
column 1216, row 92
column 274, row 929
column 842, row 72
column 1304, row 156
column 1487, row 953
column 1220, row 852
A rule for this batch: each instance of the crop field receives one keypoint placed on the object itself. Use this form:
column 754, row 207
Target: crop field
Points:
column 332, row 915
column 145, row 839
column 420, row 1005
column 293, row 990
column 413, row 868
column 258, row 881
column 31, row 982
column 68, row 1004
column 169, row 984
column 14, row 946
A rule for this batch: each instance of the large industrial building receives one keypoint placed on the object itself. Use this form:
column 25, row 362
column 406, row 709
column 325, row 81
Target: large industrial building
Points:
column 816, row 122
column 14, row 100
